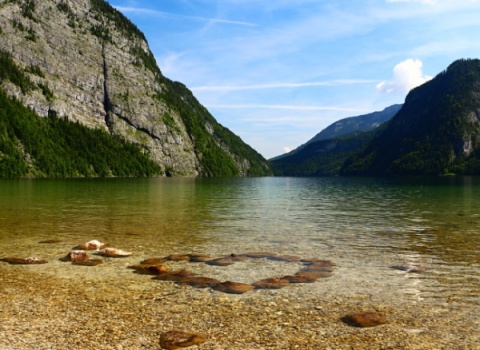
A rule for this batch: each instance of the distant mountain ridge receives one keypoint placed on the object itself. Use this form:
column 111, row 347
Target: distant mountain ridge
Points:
column 324, row 154
column 84, row 62
column 365, row 122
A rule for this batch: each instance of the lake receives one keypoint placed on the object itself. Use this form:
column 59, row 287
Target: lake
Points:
column 364, row 225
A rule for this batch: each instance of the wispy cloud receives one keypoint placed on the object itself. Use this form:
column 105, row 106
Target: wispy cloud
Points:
column 281, row 85
column 162, row 14
column 289, row 107
column 426, row 2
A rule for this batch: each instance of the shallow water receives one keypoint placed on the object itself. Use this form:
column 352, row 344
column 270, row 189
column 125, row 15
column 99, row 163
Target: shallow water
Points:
column 364, row 225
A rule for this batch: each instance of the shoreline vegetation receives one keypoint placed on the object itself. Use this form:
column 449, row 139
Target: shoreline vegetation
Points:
column 54, row 147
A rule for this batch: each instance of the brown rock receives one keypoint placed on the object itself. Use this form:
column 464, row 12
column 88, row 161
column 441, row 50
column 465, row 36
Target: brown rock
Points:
column 177, row 257
column 179, row 339
column 221, row 262
column 24, row 261
column 271, row 283
column 114, row 253
column 199, row 257
column 92, row 245
column 153, row 261
column 178, row 275
column 76, row 256
column 199, row 281
column 365, row 319
column 88, row 262
column 149, row 269
column 239, row 257
column 232, row 287
column 300, row 278
column 287, row 258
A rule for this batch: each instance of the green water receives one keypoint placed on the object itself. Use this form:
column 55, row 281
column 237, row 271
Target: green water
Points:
column 365, row 225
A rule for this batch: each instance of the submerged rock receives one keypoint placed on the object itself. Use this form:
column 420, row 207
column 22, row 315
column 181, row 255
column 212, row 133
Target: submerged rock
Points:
column 149, row 269
column 199, row 281
column 92, row 245
column 80, row 257
column 24, row 261
column 178, row 275
column 286, row 258
column 76, row 256
column 153, row 261
column 221, row 262
column 199, row 258
column 271, row 283
column 114, row 253
column 232, row 287
column 365, row 319
column 179, row 339
column 300, row 278
column 88, row 262
column 239, row 257
column 178, row 257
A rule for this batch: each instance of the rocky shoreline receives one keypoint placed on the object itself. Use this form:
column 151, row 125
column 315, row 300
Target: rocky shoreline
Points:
column 43, row 311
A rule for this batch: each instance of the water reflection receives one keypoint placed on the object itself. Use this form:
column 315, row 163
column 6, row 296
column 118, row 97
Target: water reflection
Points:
column 375, row 221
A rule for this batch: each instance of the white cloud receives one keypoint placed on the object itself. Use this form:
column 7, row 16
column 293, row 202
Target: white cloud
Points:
column 406, row 76
column 286, row 149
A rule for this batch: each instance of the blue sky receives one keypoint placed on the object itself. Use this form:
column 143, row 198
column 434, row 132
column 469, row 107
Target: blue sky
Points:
column 277, row 72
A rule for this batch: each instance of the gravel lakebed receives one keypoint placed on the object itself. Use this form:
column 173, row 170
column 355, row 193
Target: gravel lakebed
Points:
column 61, row 306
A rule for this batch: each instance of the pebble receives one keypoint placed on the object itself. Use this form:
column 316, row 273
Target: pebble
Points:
column 365, row 319
column 271, row 283
column 232, row 287
column 179, row 339
column 221, row 262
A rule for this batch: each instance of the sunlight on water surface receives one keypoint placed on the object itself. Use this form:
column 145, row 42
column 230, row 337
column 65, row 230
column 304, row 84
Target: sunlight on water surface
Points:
column 364, row 225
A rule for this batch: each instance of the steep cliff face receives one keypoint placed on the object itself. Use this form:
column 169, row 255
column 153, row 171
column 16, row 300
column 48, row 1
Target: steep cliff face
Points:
column 89, row 63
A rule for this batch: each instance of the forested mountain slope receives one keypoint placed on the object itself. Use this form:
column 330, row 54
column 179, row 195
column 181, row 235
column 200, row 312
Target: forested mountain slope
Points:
column 324, row 154
column 436, row 132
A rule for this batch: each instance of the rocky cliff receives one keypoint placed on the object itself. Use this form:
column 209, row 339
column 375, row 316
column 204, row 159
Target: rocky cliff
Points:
column 89, row 63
